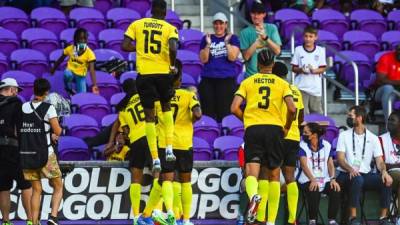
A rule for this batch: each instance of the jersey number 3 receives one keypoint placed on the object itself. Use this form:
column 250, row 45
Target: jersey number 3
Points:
column 150, row 42
column 264, row 92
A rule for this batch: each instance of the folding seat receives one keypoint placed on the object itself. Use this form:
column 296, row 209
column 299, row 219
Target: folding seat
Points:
column 115, row 99
column 378, row 56
column 3, row 63
column 53, row 57
column 67, row 38
column 207, row 128
column 330, row 39
column 89, row 18
column 127, row 75
column 393, row 19
column 362, row 42
column 331, row 20
column 288, row 19
column 107, row 84
column 201, row 150
column 331, row 131
column 57, row 82
column 108, row 120
column 25, row 81
column 228, row 147
column 14, row 19
column 231, row 125
column 132, row 60
column 121, row 18
column 171, row 18
column 190, row 63
column 103, row 55
column 90, row 104
column 48, row 18
column 80, row 126
column 112, row 39
column 368, row 20
column 188, row 80
column 103, row 5
column 390, row 39
column 40, row 39
column 8, row 41
column 190, row 39
column 141, row 6
column 72, row 149
column 29, row 60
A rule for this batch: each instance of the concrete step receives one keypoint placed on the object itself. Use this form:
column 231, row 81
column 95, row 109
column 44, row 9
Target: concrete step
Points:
column 196, row 21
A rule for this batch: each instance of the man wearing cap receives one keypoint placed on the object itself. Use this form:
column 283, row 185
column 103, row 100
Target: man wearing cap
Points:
column 218, row 53
column 10, row 122
column 388, row 78
column 257, row 37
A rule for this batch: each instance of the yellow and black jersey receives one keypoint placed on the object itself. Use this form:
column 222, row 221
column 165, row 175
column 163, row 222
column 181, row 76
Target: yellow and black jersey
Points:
column 133, row 117
column 264, row 95
column 294, row 132
column 152, row 48
column 181, row 105
column 119, row 156
column 79, row 64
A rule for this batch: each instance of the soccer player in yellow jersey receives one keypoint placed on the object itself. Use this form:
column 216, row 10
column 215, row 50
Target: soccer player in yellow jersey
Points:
column 156, row 49
column 81, row 58
column 265, row 94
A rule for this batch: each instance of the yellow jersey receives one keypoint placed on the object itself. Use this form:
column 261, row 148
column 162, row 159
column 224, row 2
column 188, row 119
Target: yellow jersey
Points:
column 133, row 117
column 79, row 64
column 181, row 105
column 152, row 48
column 294, row 132
column 119, row 156
column 264, row 95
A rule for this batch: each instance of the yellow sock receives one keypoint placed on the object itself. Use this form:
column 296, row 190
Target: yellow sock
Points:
column 251, row 186
column 154, row 198
column 159, row 205
column 169, row 127
column 151, row 135
column 292, row 198
column 168, row 194
column 177, row 199
column 134, row 192
column 263, row 192
column 274, row 195
column 187, row 195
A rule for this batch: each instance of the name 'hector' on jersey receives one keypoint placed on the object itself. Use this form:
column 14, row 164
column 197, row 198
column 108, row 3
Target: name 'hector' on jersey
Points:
column 264, row 80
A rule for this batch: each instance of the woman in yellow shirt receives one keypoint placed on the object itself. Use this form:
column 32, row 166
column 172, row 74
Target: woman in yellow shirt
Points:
column 81, row 57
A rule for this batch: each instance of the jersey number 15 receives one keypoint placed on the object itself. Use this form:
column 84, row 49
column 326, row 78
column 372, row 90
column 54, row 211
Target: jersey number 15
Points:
column 150, row 41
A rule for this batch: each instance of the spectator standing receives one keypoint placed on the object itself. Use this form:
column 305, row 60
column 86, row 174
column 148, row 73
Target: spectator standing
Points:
column 257, row 37
column 309, row 62
column 218, row 53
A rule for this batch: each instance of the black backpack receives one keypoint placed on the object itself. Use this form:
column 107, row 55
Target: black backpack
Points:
column 33, row 138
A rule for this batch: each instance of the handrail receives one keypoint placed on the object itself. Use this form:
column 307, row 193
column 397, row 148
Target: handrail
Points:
column 173, row 5
column 202, row 15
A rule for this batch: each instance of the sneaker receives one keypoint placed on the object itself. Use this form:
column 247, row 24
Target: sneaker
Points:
column 333, row 222
column 169, row 155
column 52, row 221
column 171, row 218
column 158, row 217
column 353, row 221
column 398, row 221
column 312, row 222
column 28, row 222
column 144, row 221
column 252, row 209
column 187, row 223
column 156, row 166
column 7, row 223
column 385, row 221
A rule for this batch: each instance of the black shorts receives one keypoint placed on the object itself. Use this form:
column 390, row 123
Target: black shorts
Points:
column 154, row 87
column 263, row 144
column 140, row 156
column 290, row 150
column 183, row 163
column 10, row 171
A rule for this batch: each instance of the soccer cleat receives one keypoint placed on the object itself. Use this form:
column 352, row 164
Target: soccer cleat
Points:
column 171, row 218
column 7, row 223
column 28, row 222
column 169, row 155
column 144, row 221
column 252, row 209
column 52, row 221
column 156, row 166
column 158, row 216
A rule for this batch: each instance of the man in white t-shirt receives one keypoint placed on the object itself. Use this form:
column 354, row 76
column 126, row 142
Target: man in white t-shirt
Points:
column 44, row 113
column 309, row 62
column 356, row 149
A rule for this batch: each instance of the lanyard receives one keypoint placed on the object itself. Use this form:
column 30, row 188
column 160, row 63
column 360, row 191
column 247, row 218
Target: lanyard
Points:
column 313, row 160
column 363, row 149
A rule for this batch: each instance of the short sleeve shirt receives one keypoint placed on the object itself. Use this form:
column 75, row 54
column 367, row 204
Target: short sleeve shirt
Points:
column 389, row 65
column 79, row 64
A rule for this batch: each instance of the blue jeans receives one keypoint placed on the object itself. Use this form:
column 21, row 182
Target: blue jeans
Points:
column 383, row 94
column 80, row 81
column 369, row 181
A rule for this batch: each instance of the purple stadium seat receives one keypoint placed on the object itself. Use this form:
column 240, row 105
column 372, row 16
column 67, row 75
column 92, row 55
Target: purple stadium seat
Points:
column 121, row 18
column 329, row 39
column 369, row 20
column 289, row 19
column 25, row 81
column 391, row 39
column 141, row 6
column 91, row 104
column 49, row 18
column 346, row 71
column 29, row 60
column 363, row 42
column 115, row 99
column 394, row 19
column 190, row 63
column 72, row 149
column 378, row 55
column 318, row 118
column 40, row 39
column 67, row 38
column 14, row 19
column 132, row 60
column 201, row 150
column 331, row 20
column 112, row 39
column 88, row 18
column 103, row 55
column 229, row 146
column 107, row 84
column 54, row 55
column 206, row 128
column 81, row 126
column 57, row 83
column 108, row 120
column 334, row 144
column 127, row 75
column 103, row 5
column 190, row 39
column 171, row 18
column 8, row 41
column 188, row 80
column 331, row 132
column 231, row 125
column 3, row 63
